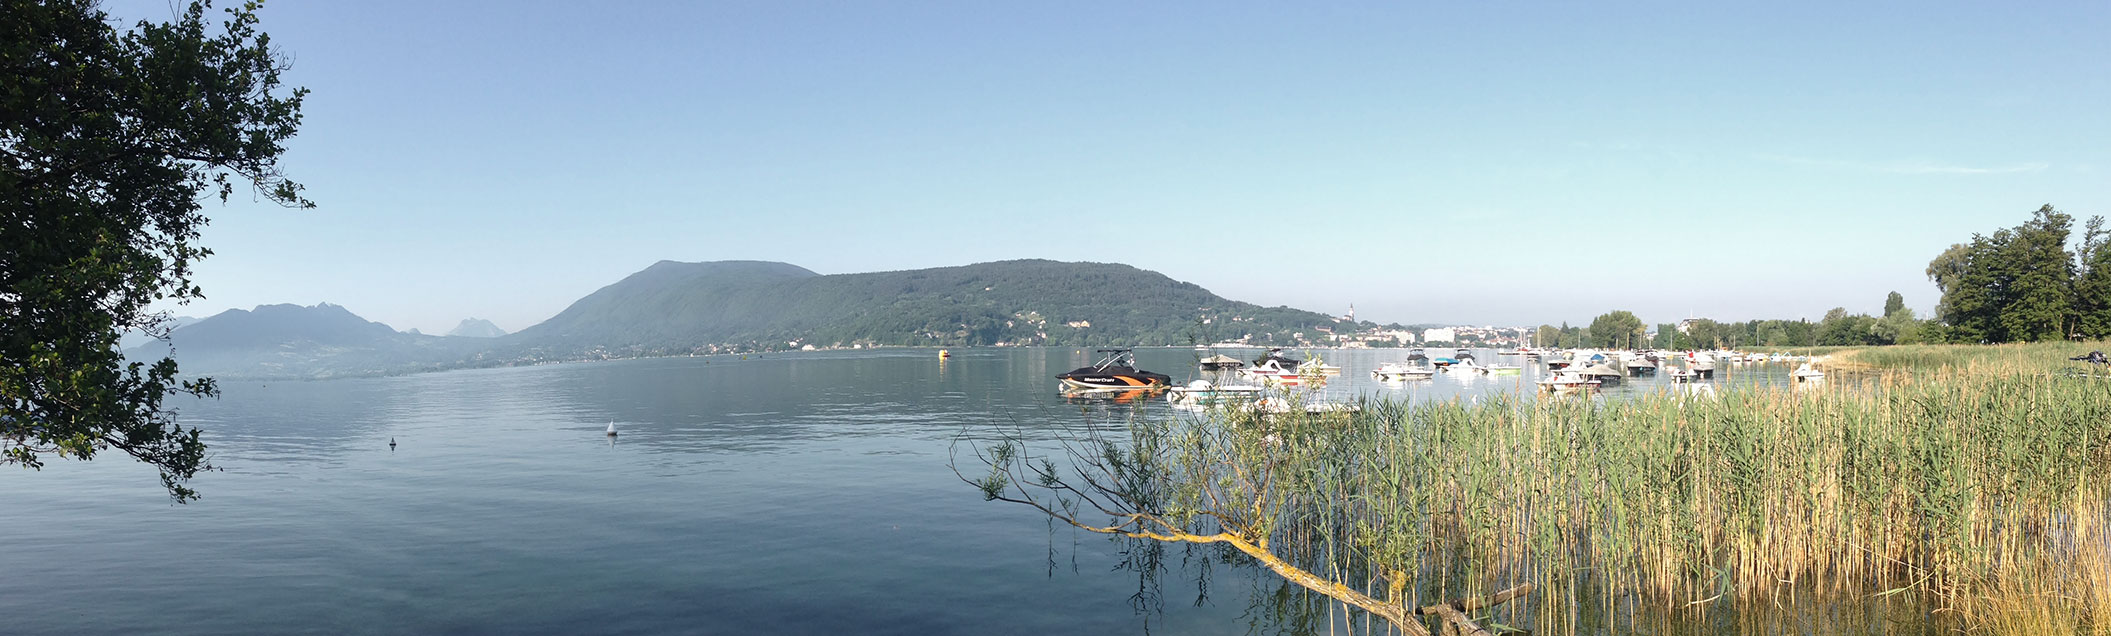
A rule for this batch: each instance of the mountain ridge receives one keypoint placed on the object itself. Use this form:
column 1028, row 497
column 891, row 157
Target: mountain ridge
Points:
column 677, row 308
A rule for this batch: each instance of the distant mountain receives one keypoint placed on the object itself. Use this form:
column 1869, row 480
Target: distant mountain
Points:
column 321, row 341
column 476, row 328
column 136, row 338
column 414, row 331
column 675, row 307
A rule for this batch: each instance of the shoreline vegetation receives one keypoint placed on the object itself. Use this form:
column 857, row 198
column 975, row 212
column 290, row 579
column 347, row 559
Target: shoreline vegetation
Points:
column 1944, row 488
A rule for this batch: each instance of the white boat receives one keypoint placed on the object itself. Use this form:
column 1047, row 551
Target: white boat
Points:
column 1567, row 383
column 1701, row 365
column 1602, row 372
column 1639, row 364
column 1403, row 371
column 1274, row 405
column 1204, row 392
column 1806, row 374
column 1503, row 369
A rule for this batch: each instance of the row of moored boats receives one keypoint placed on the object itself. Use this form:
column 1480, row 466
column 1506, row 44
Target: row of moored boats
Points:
column 1566, row 370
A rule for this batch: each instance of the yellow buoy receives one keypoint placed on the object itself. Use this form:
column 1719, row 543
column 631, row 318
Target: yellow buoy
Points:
column 944, row 353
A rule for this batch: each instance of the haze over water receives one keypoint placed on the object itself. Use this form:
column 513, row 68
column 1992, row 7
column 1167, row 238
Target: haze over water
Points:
column 788, row 493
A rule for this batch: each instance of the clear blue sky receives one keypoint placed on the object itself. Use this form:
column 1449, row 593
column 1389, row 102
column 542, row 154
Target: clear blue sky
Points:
column 1503, row 163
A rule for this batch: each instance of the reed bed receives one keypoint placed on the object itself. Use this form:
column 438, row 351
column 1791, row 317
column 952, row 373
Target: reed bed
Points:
column 1973, row 498
column 2003, row 358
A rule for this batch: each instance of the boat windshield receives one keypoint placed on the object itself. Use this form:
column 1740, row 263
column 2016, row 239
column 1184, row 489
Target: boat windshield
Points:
column 1110, row 358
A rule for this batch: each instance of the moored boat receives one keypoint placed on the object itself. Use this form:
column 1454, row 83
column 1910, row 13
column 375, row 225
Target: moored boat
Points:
column 1204, row 393
column 1394, row 371
column 1116, row 370
column 1702, row 365
column 1567, row 383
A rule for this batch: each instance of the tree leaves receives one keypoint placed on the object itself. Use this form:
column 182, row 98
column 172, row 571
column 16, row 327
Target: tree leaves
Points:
column 107, row 141
column 2021, row 284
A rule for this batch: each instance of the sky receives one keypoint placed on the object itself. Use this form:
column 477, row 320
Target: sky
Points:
column 1499, row 163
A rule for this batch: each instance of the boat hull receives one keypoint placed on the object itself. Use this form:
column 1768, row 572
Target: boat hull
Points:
column 1111, row 382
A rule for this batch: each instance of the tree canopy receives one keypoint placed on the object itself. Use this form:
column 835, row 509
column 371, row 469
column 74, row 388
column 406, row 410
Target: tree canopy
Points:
column 1619, row 328
column 108, row 141
column 2022, row 284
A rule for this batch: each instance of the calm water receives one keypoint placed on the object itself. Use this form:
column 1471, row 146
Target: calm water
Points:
column 788, row 493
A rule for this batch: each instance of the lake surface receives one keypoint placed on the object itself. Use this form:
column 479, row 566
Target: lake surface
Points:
column 797, row 493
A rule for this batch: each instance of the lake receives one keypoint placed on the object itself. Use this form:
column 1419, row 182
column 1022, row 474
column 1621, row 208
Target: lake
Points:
column 792, row 493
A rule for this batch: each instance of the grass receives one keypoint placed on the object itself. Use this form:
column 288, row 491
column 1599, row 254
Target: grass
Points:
column 1965, row 489
column 2042, row 357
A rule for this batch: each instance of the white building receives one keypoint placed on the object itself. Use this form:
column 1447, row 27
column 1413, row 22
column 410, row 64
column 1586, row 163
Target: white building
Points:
column 1440, row 334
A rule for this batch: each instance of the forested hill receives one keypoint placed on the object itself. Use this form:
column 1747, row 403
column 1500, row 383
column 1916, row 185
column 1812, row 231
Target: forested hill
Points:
column 744, row 305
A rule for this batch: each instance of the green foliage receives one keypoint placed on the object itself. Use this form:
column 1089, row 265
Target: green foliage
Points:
column 107, row 141
column 1666, row 338
column 2092, row 281
column 1840, row 329
column 1618, row 329
column 2021, row 284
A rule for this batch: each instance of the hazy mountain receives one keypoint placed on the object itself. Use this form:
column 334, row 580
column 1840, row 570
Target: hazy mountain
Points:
column 134, row 338
column 324, row 340
column 675, row 307
column 414, row 331
column 476, row 328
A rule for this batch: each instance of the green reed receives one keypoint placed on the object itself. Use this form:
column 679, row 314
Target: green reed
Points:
column 1978, row 490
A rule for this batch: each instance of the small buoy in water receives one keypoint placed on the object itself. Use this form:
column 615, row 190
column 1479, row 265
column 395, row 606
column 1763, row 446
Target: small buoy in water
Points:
column 611, row 428
column 392, row 443
column 944, row 354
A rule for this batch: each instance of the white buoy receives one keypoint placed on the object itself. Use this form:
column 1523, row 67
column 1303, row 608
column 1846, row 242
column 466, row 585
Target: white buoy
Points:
column 611, row 428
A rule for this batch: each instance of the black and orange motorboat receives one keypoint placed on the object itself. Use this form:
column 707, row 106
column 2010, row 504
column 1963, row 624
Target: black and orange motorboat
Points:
column 1115, row 370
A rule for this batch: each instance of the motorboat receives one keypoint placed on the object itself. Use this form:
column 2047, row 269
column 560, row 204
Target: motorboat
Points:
column 1316, row 366
column 1463, row 356
column 1679, row 375
column 1221, row 362
column 1639, row 365
column 1116, row 370
column 1804, row 373
column 1277, row 405
column 1702, row 365
column 1205, row 393
column 1567, row 383
column 1110, row 396
column 1417, row 356
column 1277, row 366
column 1599, row 371
column 1393, row 371
column 1274, row 363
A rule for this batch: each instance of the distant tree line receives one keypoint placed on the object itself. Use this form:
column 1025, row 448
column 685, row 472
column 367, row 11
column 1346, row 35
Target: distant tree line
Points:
column 1623, row 330
column 2019, row 284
